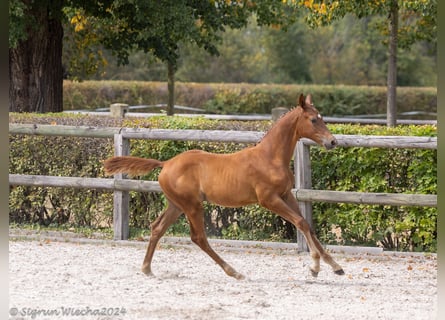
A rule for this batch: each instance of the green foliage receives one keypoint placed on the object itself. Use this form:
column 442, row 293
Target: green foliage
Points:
column 417, row 19
column 330, row 100
column 160, row 26
column 258, row 100
column 53, row 156
column 17, row 22
column 59, row 156
column 82, row 53
column 285, row 48
column 254, row 222
column 349, row 51
column 240, row 59
column 351, row 169
column 377, row 170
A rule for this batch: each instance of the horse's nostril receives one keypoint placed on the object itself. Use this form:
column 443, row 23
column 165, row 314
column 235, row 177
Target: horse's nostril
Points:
column 334, row 142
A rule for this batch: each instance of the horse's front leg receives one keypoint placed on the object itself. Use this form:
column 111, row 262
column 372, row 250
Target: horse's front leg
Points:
column 287, row 208
column 315, row 247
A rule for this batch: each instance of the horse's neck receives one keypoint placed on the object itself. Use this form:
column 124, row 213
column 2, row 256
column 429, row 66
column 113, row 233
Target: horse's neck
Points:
column 279, row 142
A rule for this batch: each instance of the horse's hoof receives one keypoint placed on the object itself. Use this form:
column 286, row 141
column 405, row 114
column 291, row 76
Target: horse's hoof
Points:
column 238, row 276
column 314, row 273
column 148, row 273
column 339, row 272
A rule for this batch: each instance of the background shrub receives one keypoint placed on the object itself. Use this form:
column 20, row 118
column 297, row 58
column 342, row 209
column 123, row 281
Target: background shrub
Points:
column 377, row 170
column 247, row 98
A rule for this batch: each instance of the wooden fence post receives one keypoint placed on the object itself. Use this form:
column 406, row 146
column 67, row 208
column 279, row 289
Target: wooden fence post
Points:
column 121, row 200
column 303, row 180
column 118, row 110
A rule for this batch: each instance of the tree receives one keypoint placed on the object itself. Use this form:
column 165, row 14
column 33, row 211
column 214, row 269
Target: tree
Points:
column 35, row 52
column 391, row 100
column 241, row 58
column 35, row 56
column 287, row 52
column 348, row 51
column 158, row 27
column 407, row 22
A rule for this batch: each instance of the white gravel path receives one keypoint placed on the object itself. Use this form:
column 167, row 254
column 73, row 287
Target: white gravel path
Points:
column 49, row 277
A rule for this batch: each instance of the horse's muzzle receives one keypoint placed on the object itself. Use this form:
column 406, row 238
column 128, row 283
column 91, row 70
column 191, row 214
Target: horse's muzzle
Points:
column 331, row 144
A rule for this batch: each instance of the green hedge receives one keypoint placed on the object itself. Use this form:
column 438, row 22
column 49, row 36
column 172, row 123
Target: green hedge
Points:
column 247, row 98
column 355, row 169
column 377, row 170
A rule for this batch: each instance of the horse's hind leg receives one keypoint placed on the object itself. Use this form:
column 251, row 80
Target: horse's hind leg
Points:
column 158, row 228
column 198, row 236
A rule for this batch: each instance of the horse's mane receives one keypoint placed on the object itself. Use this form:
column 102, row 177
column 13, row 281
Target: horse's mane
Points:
column 284, row 115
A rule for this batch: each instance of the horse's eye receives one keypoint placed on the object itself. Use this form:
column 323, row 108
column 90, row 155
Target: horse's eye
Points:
column 314, row 120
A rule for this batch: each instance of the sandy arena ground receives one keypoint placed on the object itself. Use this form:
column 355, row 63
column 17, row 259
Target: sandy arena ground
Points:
column 102, row 280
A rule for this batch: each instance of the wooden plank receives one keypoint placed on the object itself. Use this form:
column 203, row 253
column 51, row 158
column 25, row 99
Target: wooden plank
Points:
column 136, row 185
column 121, row 199
column 138, row 133
column 193, row 135
column 66, row 182
column 153, row 186
column 84, row 183
column 377, row 121
column 408, row 142
column 393, row 199
column 216, row 135
column 68, row 131
column 303, row 180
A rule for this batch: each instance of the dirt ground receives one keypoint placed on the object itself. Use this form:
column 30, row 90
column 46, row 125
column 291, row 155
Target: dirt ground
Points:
column 50, row 279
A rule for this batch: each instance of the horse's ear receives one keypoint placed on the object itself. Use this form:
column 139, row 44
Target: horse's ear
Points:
column 309, row 99
column 301, row 101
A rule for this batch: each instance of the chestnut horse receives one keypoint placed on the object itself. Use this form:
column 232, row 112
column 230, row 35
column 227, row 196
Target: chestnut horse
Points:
column 258, row 174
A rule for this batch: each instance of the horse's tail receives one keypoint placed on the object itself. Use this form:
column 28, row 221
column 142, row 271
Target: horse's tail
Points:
column 133, row 166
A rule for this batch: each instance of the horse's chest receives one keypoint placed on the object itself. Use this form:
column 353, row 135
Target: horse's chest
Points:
column 280, row 179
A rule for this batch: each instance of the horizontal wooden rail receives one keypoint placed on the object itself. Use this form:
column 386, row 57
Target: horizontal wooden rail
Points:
column 404, row 142
column 85, row 183
column 216, row 136
column 396, row 199
column 392, row 199
column 63, row 131
column 194, row 135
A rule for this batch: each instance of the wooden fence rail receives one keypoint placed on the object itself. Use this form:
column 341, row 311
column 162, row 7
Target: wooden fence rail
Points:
column 303, row 183
column 395, row 199
column 215, row 136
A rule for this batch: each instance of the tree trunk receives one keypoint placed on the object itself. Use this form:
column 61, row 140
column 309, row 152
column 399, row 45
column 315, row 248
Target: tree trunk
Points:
column 391, row 102
column 171, row 89
column 35, row 65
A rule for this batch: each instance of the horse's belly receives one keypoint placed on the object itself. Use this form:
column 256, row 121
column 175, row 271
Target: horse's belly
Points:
column 233, row 202
column 229, row 196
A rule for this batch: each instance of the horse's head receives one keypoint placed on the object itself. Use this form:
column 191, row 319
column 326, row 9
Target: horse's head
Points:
column 312, row 126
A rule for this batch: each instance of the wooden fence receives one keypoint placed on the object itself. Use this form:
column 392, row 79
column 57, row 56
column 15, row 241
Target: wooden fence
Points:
column 303, row 183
